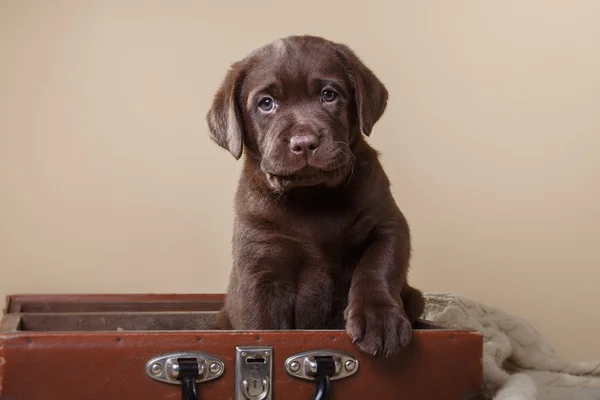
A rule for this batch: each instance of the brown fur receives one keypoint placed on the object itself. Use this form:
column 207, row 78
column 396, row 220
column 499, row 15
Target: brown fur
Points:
column 319, row 241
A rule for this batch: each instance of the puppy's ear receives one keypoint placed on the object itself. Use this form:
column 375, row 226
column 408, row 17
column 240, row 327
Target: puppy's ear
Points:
column 224, row 118
column 370, row 95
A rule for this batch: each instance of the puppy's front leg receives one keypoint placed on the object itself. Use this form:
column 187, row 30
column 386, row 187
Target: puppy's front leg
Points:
column 375, row 315
column 268, row 302
column 262, row 293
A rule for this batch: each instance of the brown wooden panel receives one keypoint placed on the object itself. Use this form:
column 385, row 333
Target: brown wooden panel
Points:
column 113, row 302
column 439, row 365
column 121, row 321
column 113, row 306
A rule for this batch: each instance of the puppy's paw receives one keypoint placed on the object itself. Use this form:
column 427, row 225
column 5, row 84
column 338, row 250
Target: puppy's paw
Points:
column 379, row 328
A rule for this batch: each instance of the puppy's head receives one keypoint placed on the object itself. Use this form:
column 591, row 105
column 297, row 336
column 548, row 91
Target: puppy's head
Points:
column 296, row 106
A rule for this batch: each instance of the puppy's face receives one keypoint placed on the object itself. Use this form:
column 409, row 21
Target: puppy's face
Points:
column 297, row 109
column 297, row 105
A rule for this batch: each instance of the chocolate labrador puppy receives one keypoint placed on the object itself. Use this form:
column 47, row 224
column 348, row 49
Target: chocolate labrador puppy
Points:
column 319, row 242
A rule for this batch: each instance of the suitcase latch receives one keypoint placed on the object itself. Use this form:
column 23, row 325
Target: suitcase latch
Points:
column 321, row 366
column 253, row 372
column 185, row 369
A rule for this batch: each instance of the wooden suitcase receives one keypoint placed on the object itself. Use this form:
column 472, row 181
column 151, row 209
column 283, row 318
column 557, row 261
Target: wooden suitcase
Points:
column 110, row 347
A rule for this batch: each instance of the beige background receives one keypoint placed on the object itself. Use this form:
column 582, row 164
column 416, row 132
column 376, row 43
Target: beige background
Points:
column 109, row 182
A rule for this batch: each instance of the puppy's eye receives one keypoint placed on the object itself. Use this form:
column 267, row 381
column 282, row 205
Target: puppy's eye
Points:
column 328, row 95
column 266, row 104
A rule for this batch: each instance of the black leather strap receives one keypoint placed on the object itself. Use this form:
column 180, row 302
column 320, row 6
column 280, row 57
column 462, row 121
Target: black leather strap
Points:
column 188, row 372
column 188, row 389
column 323, row 388
column 325, row 370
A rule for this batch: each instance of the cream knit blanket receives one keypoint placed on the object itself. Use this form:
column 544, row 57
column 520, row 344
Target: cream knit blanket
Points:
column 518, row 364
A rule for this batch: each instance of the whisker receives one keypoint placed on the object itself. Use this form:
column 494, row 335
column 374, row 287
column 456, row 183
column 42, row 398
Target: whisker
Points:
column 254, row 174
column 350, row 159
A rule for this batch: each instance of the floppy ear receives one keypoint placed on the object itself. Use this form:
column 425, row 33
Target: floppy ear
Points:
column 224, row 117
column 370, row 95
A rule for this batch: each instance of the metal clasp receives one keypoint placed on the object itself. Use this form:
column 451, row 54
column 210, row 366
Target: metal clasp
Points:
column 166, row 368
column 304, row 365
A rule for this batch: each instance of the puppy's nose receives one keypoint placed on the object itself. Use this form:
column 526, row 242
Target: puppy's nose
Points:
column 304, row 144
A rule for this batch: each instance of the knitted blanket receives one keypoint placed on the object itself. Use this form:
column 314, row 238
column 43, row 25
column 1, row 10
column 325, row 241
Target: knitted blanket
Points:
column 518, row 364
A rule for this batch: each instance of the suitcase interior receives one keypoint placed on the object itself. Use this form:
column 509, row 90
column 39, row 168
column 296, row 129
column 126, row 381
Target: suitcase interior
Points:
column 72, row 313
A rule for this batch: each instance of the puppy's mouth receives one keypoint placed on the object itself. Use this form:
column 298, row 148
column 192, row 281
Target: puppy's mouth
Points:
column 331, row 172
column 307, row 177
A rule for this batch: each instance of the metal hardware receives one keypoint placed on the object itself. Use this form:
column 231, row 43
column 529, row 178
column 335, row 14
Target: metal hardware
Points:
column 156, row 369
column 253, row 373
column 350, row 365
column 215, row 368
column 304, row 365
column 295, row 366
column 166, row 368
